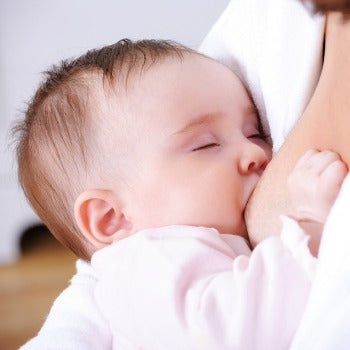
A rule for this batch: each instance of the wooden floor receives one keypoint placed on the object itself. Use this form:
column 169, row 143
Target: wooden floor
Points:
column 28, row 287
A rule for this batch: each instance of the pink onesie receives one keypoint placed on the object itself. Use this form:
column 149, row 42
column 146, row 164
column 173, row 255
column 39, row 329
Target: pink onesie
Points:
column 184, row 287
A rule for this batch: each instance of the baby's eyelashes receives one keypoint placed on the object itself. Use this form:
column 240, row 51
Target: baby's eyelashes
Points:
column 206, row 146
column 259, row 134
column 256, row 136
column 254, row 129
column 205, row 141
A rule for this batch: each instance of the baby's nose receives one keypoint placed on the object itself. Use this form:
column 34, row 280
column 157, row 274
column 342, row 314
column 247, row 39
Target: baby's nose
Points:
column 253, row 159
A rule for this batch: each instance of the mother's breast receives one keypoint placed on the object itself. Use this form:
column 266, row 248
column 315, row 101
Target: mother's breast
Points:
column 325, row 124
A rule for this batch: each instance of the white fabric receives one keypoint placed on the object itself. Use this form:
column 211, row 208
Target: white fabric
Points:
column 275, row 47
column 183, row 287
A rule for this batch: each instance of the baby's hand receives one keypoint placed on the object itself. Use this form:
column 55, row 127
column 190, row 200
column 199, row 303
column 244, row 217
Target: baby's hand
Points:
column 314, row 185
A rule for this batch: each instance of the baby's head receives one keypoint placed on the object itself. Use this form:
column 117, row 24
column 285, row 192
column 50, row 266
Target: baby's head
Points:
column 138, row 135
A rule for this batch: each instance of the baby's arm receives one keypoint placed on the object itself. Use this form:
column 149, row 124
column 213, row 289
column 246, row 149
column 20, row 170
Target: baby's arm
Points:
column 313, row 187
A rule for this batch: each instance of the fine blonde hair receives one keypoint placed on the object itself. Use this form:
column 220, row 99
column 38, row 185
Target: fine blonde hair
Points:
column 52, row 152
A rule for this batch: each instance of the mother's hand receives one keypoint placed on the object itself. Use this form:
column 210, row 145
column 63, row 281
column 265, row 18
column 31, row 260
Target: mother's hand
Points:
column 325, row 124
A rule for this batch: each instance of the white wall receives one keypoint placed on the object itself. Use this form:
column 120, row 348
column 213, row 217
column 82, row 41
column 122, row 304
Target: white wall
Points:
column 37, row 33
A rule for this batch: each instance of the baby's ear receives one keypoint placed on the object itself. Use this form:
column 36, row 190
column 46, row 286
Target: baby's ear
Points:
column 100, row 218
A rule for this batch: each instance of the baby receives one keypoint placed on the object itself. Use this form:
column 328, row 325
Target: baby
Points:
column 143, row 156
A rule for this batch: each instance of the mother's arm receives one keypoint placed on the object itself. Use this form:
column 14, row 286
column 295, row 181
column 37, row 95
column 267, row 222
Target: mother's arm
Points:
column 325, row 124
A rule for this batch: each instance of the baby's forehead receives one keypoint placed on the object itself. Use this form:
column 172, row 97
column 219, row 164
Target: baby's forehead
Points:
column 174, row 79
column 171, row 88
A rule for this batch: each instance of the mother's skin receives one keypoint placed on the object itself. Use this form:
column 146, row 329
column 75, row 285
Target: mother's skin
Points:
column 325, row 124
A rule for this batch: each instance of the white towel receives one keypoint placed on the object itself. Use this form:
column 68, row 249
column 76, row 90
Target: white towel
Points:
column 275, row 46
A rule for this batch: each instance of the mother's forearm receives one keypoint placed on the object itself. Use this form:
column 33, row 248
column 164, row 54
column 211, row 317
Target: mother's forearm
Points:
column 325, row 124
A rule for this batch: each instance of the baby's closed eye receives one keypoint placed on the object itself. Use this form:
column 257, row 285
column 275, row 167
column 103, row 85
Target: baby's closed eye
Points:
column 205, row 141
column 206, row 146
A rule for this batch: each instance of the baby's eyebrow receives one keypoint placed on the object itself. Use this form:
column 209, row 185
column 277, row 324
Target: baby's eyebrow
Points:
column 197, row 122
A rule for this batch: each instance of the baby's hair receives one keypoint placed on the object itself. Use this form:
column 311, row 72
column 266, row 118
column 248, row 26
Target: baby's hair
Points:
column 53, row 154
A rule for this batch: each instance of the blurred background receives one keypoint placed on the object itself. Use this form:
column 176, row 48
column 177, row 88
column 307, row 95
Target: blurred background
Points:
column 34, row 34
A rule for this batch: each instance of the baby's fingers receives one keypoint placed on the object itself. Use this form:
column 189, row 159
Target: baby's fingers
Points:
column 333, row 176
column 316, row 162
column 322, row 160
column 304, row 159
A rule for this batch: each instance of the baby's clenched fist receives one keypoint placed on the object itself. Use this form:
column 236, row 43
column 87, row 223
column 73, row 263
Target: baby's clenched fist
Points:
column 314, row 185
